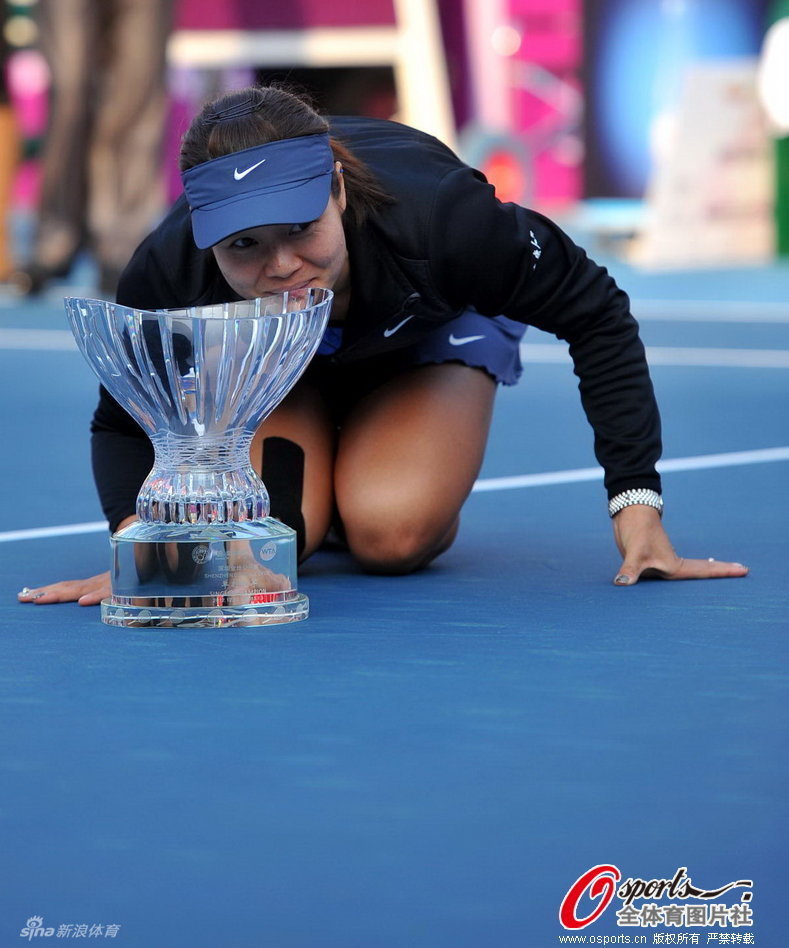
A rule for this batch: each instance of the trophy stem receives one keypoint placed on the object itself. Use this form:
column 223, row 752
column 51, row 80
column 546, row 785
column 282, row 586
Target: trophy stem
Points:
column 202, row 479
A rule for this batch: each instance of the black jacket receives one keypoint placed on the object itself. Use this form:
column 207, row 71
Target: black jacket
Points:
column 444, row 244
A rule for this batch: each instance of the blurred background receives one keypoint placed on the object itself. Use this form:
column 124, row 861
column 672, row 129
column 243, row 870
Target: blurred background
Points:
column 653, row 129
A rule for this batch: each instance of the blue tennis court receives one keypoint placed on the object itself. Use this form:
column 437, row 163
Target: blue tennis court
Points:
column 429, row 761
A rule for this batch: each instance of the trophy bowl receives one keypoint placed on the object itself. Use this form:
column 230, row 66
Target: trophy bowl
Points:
column 199, row 381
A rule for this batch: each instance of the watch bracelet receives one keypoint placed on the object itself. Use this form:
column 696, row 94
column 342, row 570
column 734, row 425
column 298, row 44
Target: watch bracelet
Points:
column 638, row 495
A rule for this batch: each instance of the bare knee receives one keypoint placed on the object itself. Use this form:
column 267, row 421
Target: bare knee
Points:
column 397, row 548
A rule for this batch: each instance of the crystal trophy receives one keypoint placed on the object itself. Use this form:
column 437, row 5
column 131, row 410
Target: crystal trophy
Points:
column 199, row 381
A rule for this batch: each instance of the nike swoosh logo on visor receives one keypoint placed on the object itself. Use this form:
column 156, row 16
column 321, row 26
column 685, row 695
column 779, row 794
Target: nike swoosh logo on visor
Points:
column 238, row 175
column 391, row 332
column 462, row 340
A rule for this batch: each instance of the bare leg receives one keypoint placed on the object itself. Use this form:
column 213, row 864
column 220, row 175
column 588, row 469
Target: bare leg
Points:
column 302, row 419
column 408, row 457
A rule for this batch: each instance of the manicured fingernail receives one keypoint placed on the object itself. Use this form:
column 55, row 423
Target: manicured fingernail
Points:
column 29, row 594
column 622, row 580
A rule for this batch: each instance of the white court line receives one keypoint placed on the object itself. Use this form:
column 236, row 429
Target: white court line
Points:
column 549, row 354
column 719, row 358
column 710, row 311
column 672, row 465
column 60, row 339
column 542, row 353
column 44, row 533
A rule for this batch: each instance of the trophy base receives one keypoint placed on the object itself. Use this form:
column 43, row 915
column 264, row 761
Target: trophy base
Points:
column 204, row 576
column 207, row 616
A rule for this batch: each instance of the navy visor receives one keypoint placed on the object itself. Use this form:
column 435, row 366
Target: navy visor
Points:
column 282, row 182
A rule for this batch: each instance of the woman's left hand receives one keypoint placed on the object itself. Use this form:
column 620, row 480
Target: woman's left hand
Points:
column 647, row 552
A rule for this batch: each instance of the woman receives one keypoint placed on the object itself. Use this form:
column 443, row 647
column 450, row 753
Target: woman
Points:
column 434, row 282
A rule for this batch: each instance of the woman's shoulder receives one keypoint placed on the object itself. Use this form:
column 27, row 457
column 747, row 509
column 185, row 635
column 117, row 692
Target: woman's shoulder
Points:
column 421, row 174
column 374, row 134
column 401, row 157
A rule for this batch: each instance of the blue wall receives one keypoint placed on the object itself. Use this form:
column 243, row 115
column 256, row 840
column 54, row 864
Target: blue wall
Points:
column 635, row 51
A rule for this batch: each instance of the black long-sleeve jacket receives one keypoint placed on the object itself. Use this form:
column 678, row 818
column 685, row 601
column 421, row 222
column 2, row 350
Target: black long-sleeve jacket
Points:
column 444, row 244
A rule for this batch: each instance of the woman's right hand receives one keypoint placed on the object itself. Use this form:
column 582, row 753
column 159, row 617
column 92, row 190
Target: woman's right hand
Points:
column 87, row 592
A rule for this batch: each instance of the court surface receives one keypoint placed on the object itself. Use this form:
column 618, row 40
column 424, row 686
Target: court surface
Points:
column 428, row 761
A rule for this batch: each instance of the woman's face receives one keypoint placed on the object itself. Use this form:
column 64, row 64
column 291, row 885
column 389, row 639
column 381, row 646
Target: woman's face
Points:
column 279, row 257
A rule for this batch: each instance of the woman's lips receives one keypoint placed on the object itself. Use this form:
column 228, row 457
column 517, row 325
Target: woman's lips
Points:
column 286, row 289
column 289, row 289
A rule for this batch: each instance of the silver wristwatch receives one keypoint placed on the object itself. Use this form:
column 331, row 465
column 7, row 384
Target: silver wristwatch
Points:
column 639, row 495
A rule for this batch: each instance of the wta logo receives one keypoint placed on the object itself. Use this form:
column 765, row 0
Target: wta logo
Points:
column 600, row 882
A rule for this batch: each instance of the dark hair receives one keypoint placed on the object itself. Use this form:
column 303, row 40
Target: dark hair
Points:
column 261, row 114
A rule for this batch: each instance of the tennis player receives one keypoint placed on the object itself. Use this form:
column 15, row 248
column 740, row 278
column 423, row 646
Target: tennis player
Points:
column 435, row 282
